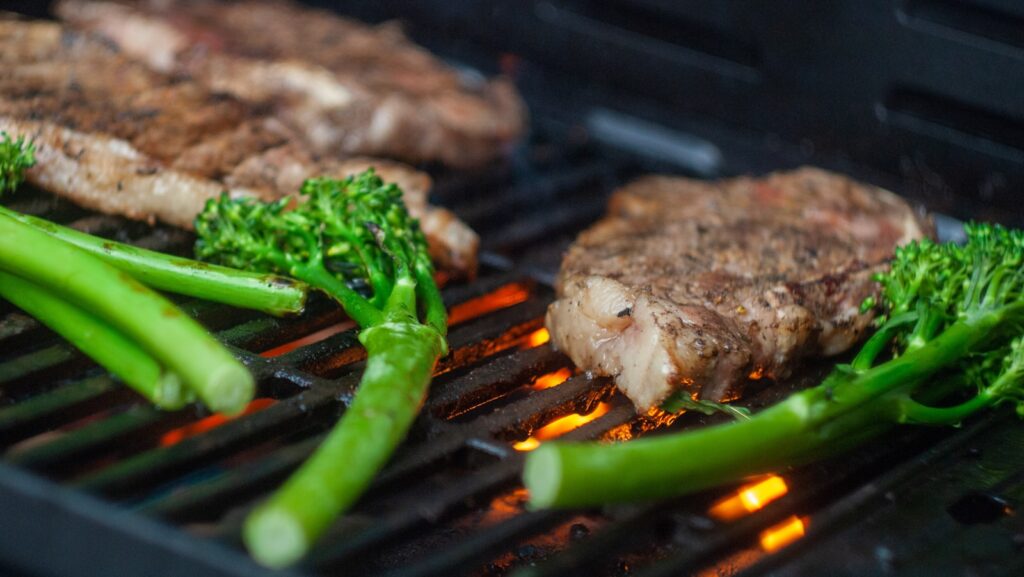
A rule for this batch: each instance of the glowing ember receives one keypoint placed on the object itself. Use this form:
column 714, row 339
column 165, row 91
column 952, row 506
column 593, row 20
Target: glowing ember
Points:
column 504, row 297
column 559, row 427
column 536, row 339
column 756, row 374
column 178, row 435
column 528, row 445
column 309, row 339
column 552, row 379
column 505, row 506
column 749, row 498
column 778, row 536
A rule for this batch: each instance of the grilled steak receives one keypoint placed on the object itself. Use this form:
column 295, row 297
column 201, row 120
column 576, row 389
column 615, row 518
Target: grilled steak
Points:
column 114, row 135
column 702, row 285
column 343, row 85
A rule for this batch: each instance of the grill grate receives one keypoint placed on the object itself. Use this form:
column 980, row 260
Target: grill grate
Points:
column 95, row 482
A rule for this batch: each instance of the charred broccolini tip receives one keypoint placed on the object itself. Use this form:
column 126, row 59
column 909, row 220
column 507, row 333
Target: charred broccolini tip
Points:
column 953, row 318
column 341, row 234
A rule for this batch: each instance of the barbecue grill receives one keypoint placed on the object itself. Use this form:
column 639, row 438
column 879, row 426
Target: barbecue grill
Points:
column 920, row 96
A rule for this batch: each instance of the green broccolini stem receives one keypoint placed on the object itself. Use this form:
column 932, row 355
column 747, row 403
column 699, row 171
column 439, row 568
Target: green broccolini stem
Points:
column 563, row 474
column 401, row 358
column 175, row 340
column 435, row 314
column 98, row 340
column 356, row 307
column 994, row 392
column 265, row 292
column 401, row 303
column 923, row 361
column 879, row 341
column 867, row 421
column 401, row 354
column 914, row 412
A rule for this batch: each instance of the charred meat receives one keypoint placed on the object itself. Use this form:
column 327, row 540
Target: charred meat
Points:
column 344, row 86
column 114, row 135
column 701, row 285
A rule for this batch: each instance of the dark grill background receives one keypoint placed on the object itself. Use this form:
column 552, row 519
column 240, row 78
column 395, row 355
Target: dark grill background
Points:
column 705, row 92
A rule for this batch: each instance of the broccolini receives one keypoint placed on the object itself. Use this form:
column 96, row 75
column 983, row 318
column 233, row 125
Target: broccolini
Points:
column 356, row 232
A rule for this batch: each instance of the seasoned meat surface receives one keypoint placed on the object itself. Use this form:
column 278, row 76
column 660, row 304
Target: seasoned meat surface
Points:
column 117, row 136
column 344, row 86
column 702, row 285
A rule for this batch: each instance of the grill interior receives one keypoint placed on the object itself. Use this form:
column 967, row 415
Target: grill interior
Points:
column 450, row 501
column 95, row 482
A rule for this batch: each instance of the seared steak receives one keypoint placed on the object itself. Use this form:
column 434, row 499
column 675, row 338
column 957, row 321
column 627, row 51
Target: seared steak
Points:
column 116, row 136
column 345, row 86
column 702, row 285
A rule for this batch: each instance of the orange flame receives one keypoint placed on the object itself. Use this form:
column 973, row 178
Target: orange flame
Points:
column 178, row 435
column 757, row 374
column 504, row 297
column 309, row 339
column 559, row 427
column 749, row 498
column 536, row 339
column 552, row 379
column 786, row 532
column 529, row 444
column 505, row 506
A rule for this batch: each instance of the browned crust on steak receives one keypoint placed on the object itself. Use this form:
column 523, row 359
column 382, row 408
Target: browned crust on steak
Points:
column 701, row 284
column 113, row 135
column 344, row 86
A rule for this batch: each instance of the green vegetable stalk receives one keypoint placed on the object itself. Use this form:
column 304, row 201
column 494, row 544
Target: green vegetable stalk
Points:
column 342, row 232
column 100, row 341
column 177, row 341
column 950, row 310
column 268, row 293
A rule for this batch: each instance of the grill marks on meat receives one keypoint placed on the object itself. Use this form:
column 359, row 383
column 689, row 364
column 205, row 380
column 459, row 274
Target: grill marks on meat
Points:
column 698, row 285
column 343, row 85
column 116, row 136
